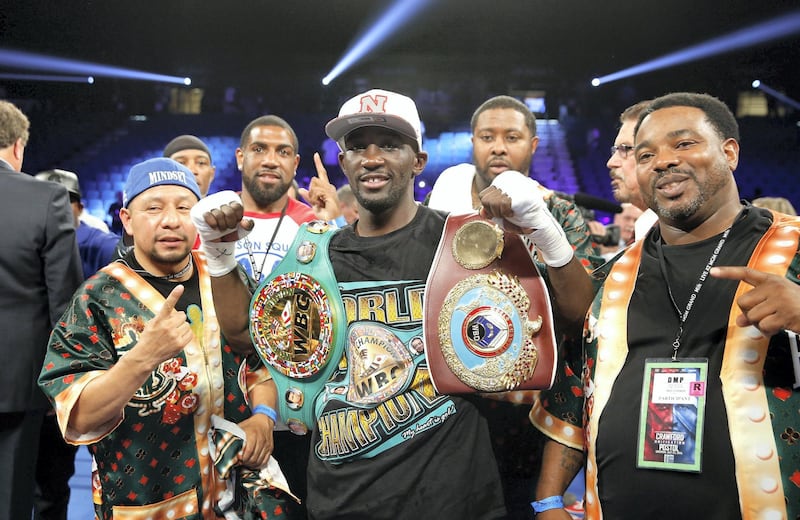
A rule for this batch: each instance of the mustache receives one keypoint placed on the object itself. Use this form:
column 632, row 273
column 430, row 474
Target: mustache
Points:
column 672, row 171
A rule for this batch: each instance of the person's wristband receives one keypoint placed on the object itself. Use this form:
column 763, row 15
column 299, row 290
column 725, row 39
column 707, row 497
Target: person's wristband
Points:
column 546, row 504
column 268, row 411
column 220, row 259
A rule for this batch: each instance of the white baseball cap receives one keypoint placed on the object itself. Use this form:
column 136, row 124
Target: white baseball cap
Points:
column 377, row 108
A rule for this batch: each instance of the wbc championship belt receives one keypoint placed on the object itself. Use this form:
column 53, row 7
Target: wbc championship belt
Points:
column 295, row 317
column 488, row 323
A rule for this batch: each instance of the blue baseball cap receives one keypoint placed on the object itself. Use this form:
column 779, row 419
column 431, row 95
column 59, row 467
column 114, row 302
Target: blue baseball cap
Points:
column 157, row 172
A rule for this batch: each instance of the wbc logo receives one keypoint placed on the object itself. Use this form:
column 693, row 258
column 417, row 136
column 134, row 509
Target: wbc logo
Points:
column 375, row 103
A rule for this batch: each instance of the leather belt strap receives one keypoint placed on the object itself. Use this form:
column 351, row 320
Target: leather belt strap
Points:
column 488, row 322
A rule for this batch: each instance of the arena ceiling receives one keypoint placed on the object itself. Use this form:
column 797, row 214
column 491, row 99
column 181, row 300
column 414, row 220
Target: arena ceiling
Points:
column 554, row 43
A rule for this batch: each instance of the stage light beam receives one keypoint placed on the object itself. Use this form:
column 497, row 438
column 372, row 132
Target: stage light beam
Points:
column 32, row 61
column 391, row 21
column 772, row 29
column 46, row 77
column 780, row 96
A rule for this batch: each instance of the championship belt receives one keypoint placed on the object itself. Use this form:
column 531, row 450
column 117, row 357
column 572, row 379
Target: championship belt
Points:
column 296, row 322
column 488, row 323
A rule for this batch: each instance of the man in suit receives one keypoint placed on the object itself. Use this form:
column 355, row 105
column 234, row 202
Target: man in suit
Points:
column 39, row 270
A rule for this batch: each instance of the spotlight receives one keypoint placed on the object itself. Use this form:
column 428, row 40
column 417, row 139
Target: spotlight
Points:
column 780, row 96
column 46, row 77
column 596, row 82
column 391, row 21
column 32, row 61
column 766, row 31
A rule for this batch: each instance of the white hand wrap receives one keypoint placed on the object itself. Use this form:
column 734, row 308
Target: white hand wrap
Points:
column 220, row 257
column 530, row 211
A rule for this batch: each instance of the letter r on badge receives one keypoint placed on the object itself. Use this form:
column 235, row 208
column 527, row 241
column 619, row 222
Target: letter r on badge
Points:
column 697, row 388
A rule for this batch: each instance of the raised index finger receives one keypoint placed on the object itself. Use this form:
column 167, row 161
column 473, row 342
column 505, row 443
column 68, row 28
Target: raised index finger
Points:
column 744, row 274
column 171, row 301
column 322, row 173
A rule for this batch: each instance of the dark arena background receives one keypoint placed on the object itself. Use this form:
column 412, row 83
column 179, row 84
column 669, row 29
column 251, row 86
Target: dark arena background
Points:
column 108, row 83
column 254, row 57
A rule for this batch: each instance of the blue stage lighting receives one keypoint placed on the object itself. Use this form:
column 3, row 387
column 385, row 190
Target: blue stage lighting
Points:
column 46, row 77
column 766, row 31
column 32, row 61
column 389, row 23
column 780, row 96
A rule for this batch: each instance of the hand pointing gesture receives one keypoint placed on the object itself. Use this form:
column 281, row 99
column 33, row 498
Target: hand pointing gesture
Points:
column 772, row 305
column 321, row 194
column 165, row 334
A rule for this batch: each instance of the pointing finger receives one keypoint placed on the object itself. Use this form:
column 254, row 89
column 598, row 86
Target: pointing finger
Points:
column 744, row 274
column 322, row 173
column 172, row 299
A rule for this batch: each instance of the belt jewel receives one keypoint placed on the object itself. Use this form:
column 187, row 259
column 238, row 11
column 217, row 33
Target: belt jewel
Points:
column 477, row 244
column 485, row 334
column 292, row 322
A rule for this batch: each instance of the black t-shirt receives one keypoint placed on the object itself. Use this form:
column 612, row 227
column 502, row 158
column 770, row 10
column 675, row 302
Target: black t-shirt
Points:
column 191, row 287
column 653, row 322
column 389, row 447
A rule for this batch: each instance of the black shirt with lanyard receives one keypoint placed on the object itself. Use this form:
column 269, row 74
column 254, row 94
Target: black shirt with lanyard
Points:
column 654, row 321
column 165, row 284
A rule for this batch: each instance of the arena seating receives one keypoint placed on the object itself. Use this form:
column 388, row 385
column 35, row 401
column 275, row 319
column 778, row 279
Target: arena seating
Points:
column 571, row 155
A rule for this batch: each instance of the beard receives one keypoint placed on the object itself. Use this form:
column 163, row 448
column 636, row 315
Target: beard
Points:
column 718, row 177
column 169, row 261
column 383, row 204
column 264, row 195
column 486, row 176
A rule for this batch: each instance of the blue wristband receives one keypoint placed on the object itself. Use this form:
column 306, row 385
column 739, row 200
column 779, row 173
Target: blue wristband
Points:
column 546, row 504
column 268, row 411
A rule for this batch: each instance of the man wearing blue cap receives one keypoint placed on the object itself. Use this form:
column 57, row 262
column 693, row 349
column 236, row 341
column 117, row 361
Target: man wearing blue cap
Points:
column 137, row 369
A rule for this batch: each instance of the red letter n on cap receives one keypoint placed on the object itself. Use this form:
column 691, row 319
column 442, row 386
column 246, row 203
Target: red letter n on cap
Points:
column 373, row 104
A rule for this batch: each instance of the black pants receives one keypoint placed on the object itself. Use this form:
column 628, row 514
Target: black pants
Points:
column 19, row 443
column 55, row 466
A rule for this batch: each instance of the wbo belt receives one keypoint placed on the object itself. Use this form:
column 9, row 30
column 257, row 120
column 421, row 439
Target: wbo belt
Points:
column 297, row 324
column 488, row 323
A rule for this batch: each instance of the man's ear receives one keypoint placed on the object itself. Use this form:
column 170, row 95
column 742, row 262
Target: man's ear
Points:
column 534, row 144
column 125, row 218
column 420, row 161
column 730, row 147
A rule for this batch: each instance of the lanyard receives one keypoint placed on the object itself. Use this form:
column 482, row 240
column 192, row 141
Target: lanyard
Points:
column 257, row 273
column 698, row 286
